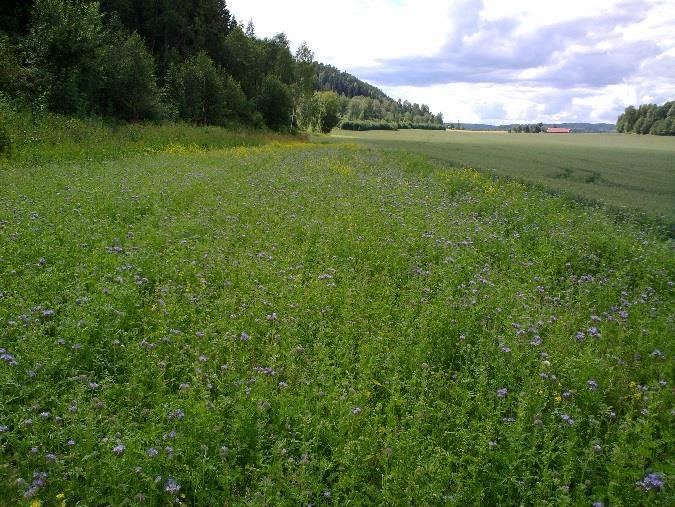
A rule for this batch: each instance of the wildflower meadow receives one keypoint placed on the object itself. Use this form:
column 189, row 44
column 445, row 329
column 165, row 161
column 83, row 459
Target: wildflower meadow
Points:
column 297, row 324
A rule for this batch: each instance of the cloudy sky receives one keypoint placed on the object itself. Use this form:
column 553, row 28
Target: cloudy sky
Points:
column 491, row 61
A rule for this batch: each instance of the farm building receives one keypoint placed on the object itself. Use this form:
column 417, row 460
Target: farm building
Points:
column 558, row 130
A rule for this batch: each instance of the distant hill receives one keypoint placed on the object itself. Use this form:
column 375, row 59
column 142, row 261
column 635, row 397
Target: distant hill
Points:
column 477, row 126
column 329, row 78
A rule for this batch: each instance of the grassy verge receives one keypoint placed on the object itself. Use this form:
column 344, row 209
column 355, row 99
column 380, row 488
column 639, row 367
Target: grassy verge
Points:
column 53, row 138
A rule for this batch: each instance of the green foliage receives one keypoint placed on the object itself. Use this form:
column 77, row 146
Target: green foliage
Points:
column 420, row 126
column 244, row 61
column 304, row 58
column 16, row 80
column 198, row 89
column 364, row 125
column 367, row 125
column 129, row 89
column 287, row 325
column 65, row 43
column 275, row 103
column 319, row 112
column 648, row 119
column 183, row 27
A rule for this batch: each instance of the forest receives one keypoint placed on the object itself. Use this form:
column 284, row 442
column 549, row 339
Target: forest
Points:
column 149, row 60
column 648, row 119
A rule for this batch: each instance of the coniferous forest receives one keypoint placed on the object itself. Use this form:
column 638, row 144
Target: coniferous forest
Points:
column 148, row 60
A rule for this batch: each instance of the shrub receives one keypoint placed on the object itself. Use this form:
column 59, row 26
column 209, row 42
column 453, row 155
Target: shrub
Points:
column 361, row 125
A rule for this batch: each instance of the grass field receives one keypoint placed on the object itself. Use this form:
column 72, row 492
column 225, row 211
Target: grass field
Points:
column 330, row 325
column 623, row 171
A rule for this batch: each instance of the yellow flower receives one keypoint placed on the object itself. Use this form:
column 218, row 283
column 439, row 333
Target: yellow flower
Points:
column 36, row 503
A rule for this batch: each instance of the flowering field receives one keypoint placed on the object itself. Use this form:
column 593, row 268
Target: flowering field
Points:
column 326, row 325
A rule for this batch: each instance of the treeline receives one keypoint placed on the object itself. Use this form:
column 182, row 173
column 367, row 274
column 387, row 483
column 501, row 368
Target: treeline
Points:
column 148, row 60
column 363, row 125
column 648, row 119
column 534, row 128
column 137, row 60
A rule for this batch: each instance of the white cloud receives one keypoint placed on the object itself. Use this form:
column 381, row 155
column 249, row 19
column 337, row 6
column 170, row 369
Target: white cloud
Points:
column 626, row 57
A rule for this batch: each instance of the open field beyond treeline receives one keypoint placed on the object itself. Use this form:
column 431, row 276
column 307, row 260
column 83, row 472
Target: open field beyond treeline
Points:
column 623, row 171
column 294, row 324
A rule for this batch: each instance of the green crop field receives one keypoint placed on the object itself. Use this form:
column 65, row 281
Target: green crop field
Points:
column 623, row 171
column 298, row 324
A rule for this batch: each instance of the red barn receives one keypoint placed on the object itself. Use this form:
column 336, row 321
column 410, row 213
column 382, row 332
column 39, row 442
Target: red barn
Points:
column 558, row 130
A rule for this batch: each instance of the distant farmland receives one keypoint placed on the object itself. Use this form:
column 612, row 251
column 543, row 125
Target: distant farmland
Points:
column 622, row 171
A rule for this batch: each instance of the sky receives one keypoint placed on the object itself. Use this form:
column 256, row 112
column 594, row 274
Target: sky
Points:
column 490, row 61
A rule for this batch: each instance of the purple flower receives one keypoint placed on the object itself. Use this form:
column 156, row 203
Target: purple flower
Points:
column 356, row 410
column 597, row 449
column 653, row 481
column 152, row 452
column 171, row 486
column 592, row 384
column 51, row 458
column 536, row 340
column 71, row 442
column 598, row 504
column 492, row 444
column 505, row 349
column 501, row 393
column 567, row 419
column 177, row 414
column 657, row 353
column 39, row 479
column 580, row 336
column 244, row 337
column 203, row 358
column 119, row 449
column 3, row 428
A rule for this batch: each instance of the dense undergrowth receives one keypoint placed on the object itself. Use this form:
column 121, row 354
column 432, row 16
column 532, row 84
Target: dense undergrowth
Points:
column 297, row 324
column 42, row 138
